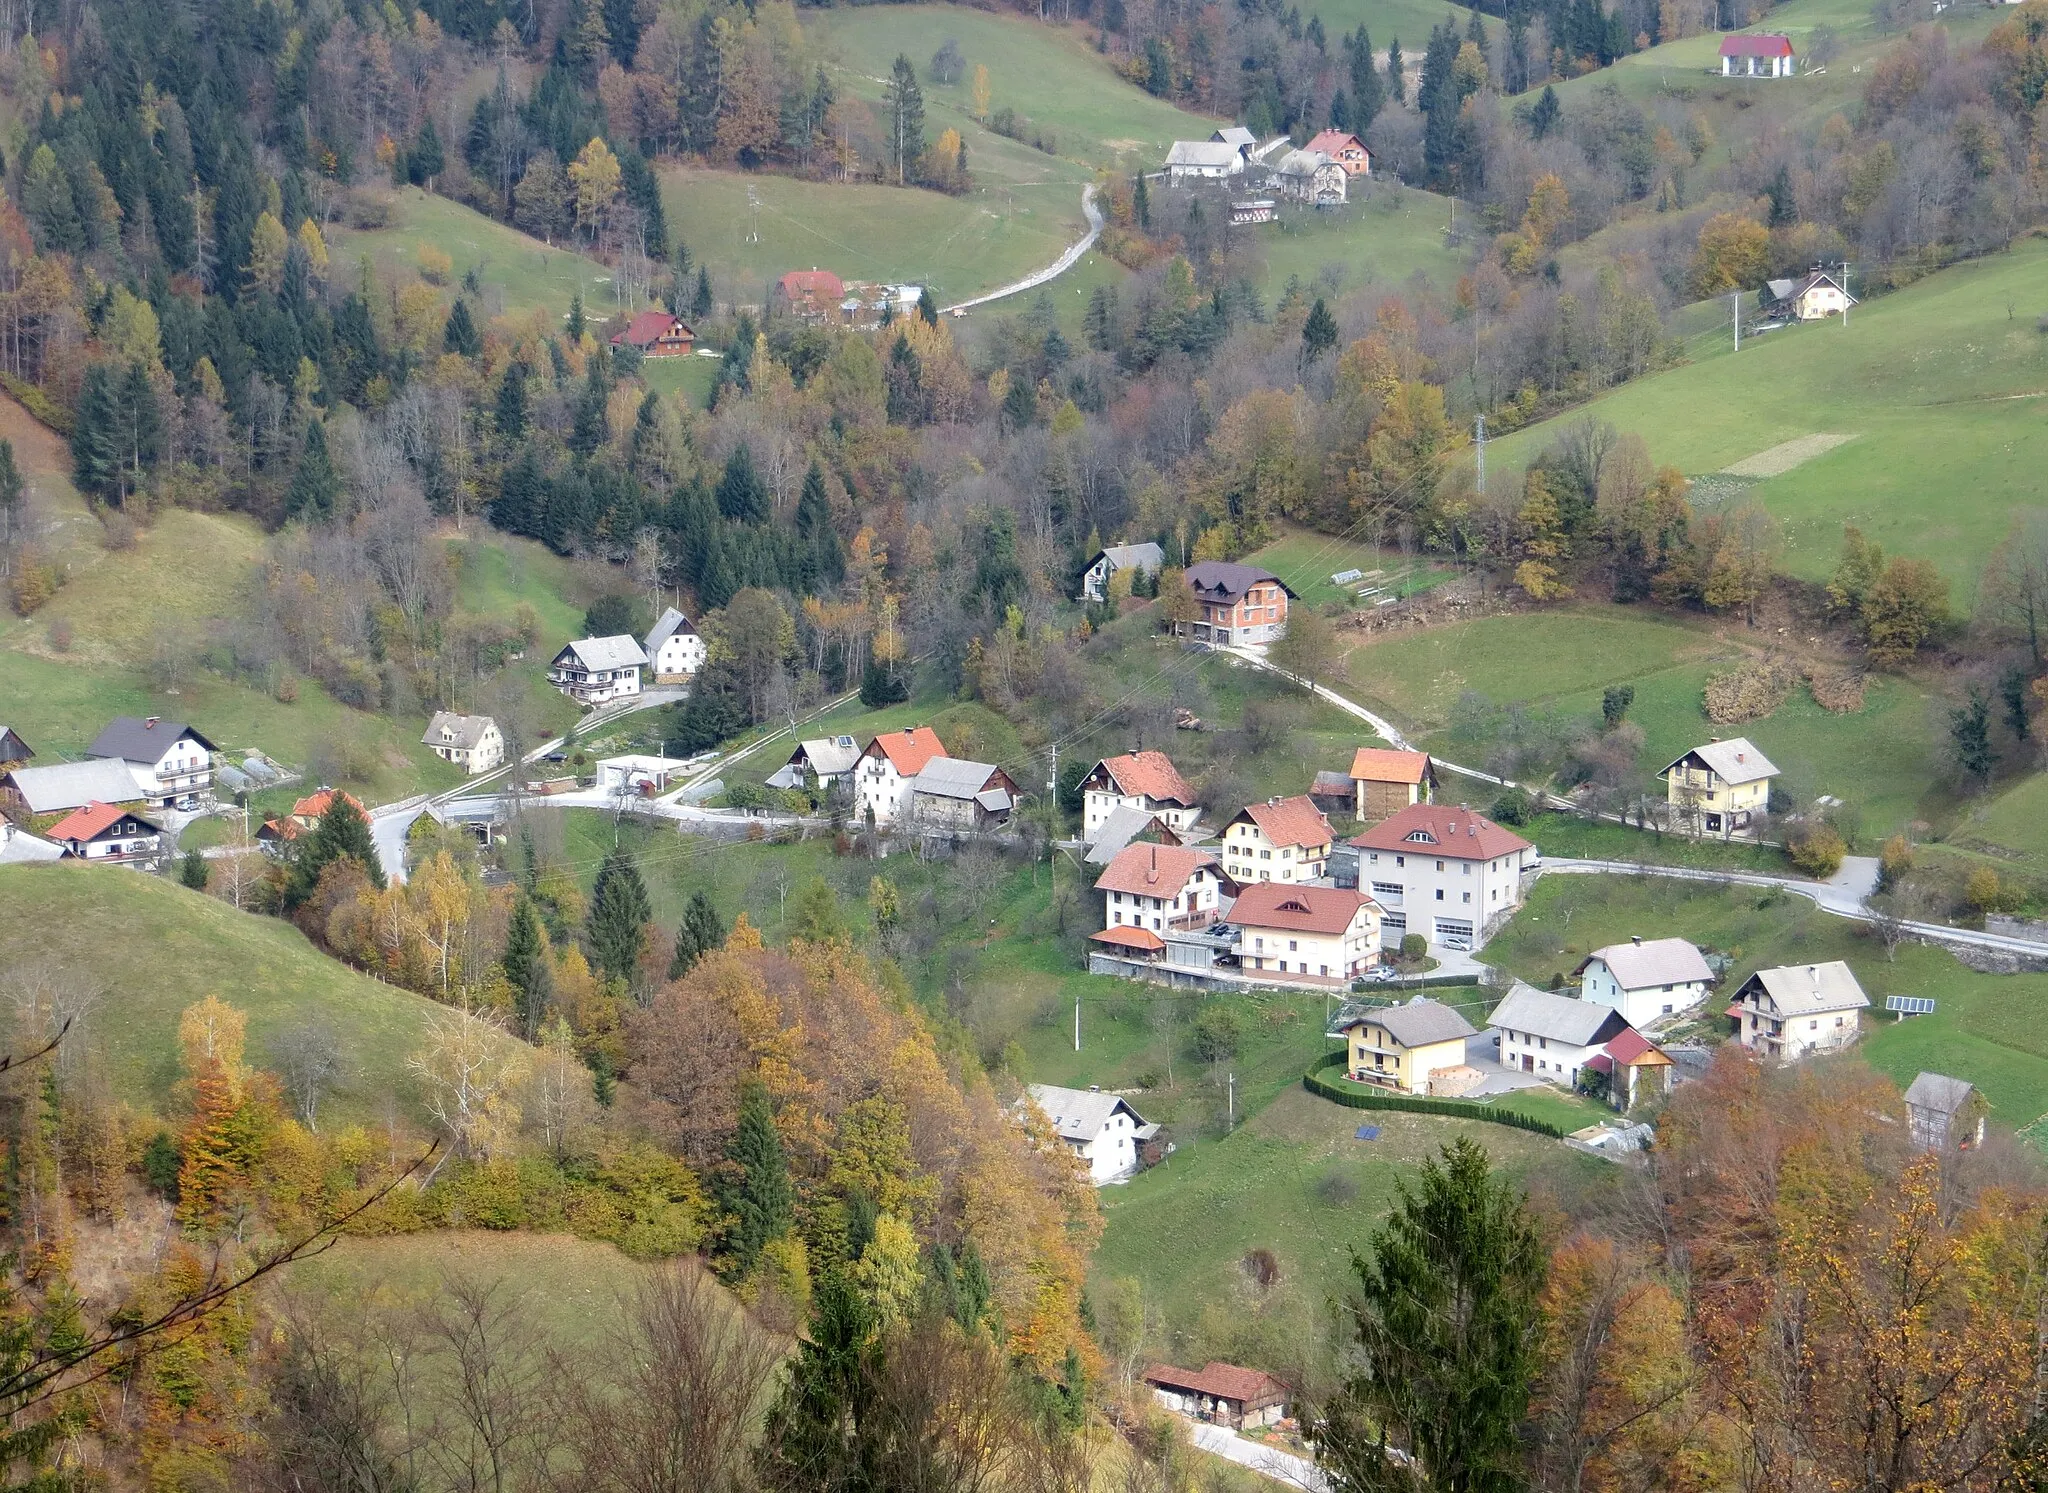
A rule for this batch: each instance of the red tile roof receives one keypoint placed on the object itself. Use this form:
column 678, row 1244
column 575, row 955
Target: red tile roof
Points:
column 1289, row 821
column 1454, row 833
column 1631, row 1048
column 313, row 805
column 1143, row 939
column 94, row 819
column 1151, row 774
column 1330, row 142
column 649, row 327
column 813, row 284
column 1756, row 46
column 1224, row 1380
column 908, row 750
column 1147, row 870
column 1379, row 765
column 1298, row 909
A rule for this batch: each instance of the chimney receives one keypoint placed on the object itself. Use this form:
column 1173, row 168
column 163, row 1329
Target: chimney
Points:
column 1636, row 939
column 149, row 724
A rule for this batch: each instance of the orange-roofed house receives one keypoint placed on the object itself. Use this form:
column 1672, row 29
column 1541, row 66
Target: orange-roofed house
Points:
column 1156, row 889
column 1636, row 1068
column 811, row 295
column 1316, row 935
column 1282, row 839
column 657, row 334
column 109, row 834
column 1384, row 782
column 1444, row 872
column 304, row 816
column 885, row 777
column 1346, row 149
column 1221, row 1393
column 1137, row 780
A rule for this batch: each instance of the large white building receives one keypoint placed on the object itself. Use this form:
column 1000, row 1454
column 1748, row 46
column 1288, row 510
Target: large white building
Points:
column 1444, row 872
column 1316, row 935
column 591, row 671
column 1796, row 1010
column 675, row 649
column 1552, row 1036
column 472, row 742
column 1102, row 1129
column 1282, row 839
column 1160, row 888
column 1202, row 160
column 1645, row 981
column 885, row 780
column 171, row 761
column 1137, row 780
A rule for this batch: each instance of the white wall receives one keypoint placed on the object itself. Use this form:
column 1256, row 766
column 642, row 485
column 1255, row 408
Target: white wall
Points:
column 1435, row 887
column 1638, row 1007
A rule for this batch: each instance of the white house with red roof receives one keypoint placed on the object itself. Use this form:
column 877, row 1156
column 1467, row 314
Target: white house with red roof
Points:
column 110, row 834
column 1157, row 889
column 1444, row 872
column 1137, row 780
column 1750, row 55
column 1282, row 839
column 885, row 779
column 1312, row 935
column 1346, row 149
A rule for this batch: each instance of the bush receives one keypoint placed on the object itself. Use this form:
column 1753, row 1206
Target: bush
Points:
column 35, row 582
column 1513, row 807
column 1218, row 1030
column 1816, row 850
column 1893, row 862
column 1464, row 1109
column 435, row 265
column 1413, row 946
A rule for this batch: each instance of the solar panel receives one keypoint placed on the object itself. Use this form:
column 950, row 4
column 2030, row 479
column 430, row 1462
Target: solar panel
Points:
column 1910, row 1005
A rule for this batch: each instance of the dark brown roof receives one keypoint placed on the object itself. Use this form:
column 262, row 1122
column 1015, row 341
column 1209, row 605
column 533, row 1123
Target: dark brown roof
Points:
column 1224, row 1380
column 1226, row 580
column 649, row 327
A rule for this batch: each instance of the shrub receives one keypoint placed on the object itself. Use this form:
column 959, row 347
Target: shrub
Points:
column 1893, row 862
column 1218, row 1030
column 1413, row 946
column 1360, row 1098
column 1982, row 891
column 60, row 634
column 1817, row 850
column 35, row 582
column 1514, row 807
column 435, row 265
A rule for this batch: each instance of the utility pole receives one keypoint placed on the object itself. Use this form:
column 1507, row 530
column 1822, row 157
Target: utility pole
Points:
column 1230, row 1101
column 1480, row 441
column 1077, row 1021
column 1735, row 315
column 1845, row 293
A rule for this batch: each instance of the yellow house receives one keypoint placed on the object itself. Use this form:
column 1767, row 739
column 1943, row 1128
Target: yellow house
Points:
column 1403, row 1047
column 1720, row 788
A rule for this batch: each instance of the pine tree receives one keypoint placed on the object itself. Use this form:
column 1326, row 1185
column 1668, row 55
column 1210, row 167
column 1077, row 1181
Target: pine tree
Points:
column 1397, row 77
column 461, row 335
column 1319, row 332
column 1141, row 202
column 343, row 832
column 192, row 870
column 755, row 1193
column 904, row 101
column 1969, row 729
column 1368, row 94
column 510, row 413
column 576, row 323
column 1544, row 116
column 616, row 928
column 742, row 497
column 697, row 935
column 525, row 964
column 315, row 486
column 95, row 436
column 812, row 1439
column 701, row 304
column 426, row 160
column 824, row 562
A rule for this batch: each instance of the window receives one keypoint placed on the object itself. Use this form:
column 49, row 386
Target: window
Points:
column 1813, row 1026
column 1544, row 1043
column 1439, row 894
column 1293, row 945
column 1439, row 865
column 1326, row 969
column 1265, row 855
column 1468, row 899
column 1400, row 860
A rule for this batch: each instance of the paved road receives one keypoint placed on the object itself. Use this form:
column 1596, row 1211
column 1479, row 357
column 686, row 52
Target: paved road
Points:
column 1052, row 271
column 1282, row 1467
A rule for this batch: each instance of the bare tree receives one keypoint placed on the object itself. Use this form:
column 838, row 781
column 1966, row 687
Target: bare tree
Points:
column 491, row 1431
column 332, row 1406
column 469, row 1071
column 942, row 1415
column 308, row 1058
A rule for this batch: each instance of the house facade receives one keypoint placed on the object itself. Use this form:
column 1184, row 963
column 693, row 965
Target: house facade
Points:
column 1161, row 888
column 1235, row 603
column 1754, row 56
column 14, row 752
column 472, row 742
column 1636, row 1069
column 1403, row 1047
column 657, row 334
column 1191, row 161
column 591, row 671
column 675, row 649
column 1102, row 1129
column 1811, row 297
column 1552, row 1036
column 1309, row 177
column 818, row 763
column 1143, row 559
column 888, row 768
column 1446, row 873
column 171, row 761
column 1282, row 839
column 952, row 795
column 109, row 834
column 1137, row 780
column 1645, row 981
column 1313, row 935
column 1222, row 1394
column 1722, row 788
column 811, row 295
column 1797, row 1010
column 1346, row 149
column 1384, row 782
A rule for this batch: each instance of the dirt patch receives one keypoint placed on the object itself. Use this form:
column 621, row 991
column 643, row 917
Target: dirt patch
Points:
column 1786, row 455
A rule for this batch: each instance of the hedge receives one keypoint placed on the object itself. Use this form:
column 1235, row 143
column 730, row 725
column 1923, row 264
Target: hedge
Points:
column 1463, row 1109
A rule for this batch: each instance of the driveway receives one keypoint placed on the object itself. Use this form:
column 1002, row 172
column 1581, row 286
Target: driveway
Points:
column 1282, row 1467
column 1482, row 1052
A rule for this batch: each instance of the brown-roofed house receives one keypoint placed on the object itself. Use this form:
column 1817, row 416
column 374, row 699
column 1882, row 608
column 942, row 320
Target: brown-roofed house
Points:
column 1384, row 782
column 1443, row 872
column 1221, row 1393
column 811, row 295
column 1161, row 887
column 1235, row 603
column 14, row 752
column 1319, row 935
column 657, row 334
column 305, row 815
column 109, row 833
column 1282, row 839
column 1137, row 780
column 884, row 777
column 1636, row 1068
column 1346, row 149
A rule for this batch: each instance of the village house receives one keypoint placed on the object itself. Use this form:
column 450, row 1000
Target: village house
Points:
column 1944, row 1114
column 110, row 834
column 1147, row 781
column 1282, row 839
column 951, row 795
column 63, row 786
column 889, row 766
column 1102, row 1129
column 1757, row 56
column 1810, row 297
column 1551, row 1035
column 1235, row 603
column 1221, row 1394
column 818, row 763
column 14, row 752
column 1722, row 788
column 1796, row 1010
column 638, row 773
column 172, row 762
column 591, row 671
column 1310, row 177
column 811, row 295
column 1331, row 792
column 1316, row 935
column 1645, row 981
column 1446, row 873
column 1130, row 827
column 1346, row 149
column 1191, row 161
column 1402, row 1047
column 1384, row 782
column 675, row 649
column 20, row 848
column 1139, row 559
column 1238, row 138
column 1159, row 888
column 305, row 815
column 472, row 742
column 657, row 334
column 1636, row 1069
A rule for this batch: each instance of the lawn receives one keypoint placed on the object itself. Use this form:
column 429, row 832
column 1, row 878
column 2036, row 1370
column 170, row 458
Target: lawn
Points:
column 149, row 948
column 1385, row 235
column 1408, row 21
column 1307, row 560
column 2011, row 826
column 688, row 378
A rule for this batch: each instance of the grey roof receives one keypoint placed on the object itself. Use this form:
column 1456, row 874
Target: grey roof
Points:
column 20, row 848
column 1939, row 1092
column 1576, row 1023
column 1235, row 134
column 995, row 800
column 829, row 755
column 1418, row 1024
column 134, row 738
column 1301, row 163
column 671, row 623
column 469, row 730
column 1078, row 1114
column 1226, row 580
column 1122, row 826
column 1656, row 961
column 1781, row 290
column 1147, row 556
column 616, row 652
column 954, row 777
column 1809, row 989
column 1735, row 760
column 73, row 785
column 1210, row 153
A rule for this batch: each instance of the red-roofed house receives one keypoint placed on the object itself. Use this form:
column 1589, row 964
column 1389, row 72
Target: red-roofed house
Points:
column 1137, row 780
column 1444, row 872
column 658, row 334
column 1221, row 1393
column 108, row 833
column 1346, row 149
column 1321, row 935
column 1160, row 887
column 304, row 815
column 1385, row 782
column 1752, row 56
column 1636, row 1068
column 811, row 295
column 1282, row 839
column 885, row 776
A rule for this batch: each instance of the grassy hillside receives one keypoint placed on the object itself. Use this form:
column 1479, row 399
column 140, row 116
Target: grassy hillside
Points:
column 150, row 948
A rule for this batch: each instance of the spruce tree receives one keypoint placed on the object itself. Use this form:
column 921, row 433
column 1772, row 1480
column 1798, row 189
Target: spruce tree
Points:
column 697, row 934
column 342, row 833
column 1397, row 77
column 576, row 317
column 904, row 101
column 701, row 303
column 1544, row 116
column 1368, row 93
column 616, row 928
column 525, row 966
column 812, row 1440
column 823, row 560
column 460, row 335
column 315, row 485
column 510, row 413
column 755, row 1191
column 1141, row 203
column 926, row 306
column 742, row 496
column 426, row 160
column 1319, row 332
column 95, row 436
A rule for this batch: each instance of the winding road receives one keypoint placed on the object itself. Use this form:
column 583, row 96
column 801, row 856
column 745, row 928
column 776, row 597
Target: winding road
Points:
column 1052, row 271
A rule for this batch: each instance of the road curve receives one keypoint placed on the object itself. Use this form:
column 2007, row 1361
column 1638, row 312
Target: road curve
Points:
column 1052, row 271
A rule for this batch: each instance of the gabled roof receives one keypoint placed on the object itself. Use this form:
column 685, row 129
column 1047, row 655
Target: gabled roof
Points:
column 1297, row 909
column 1330, row 785
column 144, row 739
column 1751, row 45
column 806, row 284
column 1576, row 1023
column 1302, row 163
column 314, row 804
column 1808, row 989
column 1384, row 765
column 1440, row 829
column 1940, row 1093
column 619, row 651
column 671, row 623
column 1640, row 965
column 468, row 730
column 1420, row 1023
column 650, row 327
column 1078, row 1114
column 20, row 848
column 1288, row 821
column 1209, row 153
column 12, row 747
column 94, row 820
column 1120, row 827
column 1632, row 1049
column 828, row 755
column 956, row 777
column 1235, row 135
column 1329, row 142
column 73, row 785
column 1154, row 870
column 1147, row 775
column 1223, row 1381
column 1735, row 760
column 1797, row 288
column 1226, row 580
column 1146, row 556
column 907, row 750
column 1142, row 939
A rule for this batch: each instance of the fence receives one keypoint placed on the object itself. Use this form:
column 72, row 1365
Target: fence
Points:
column 1463, row 1109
